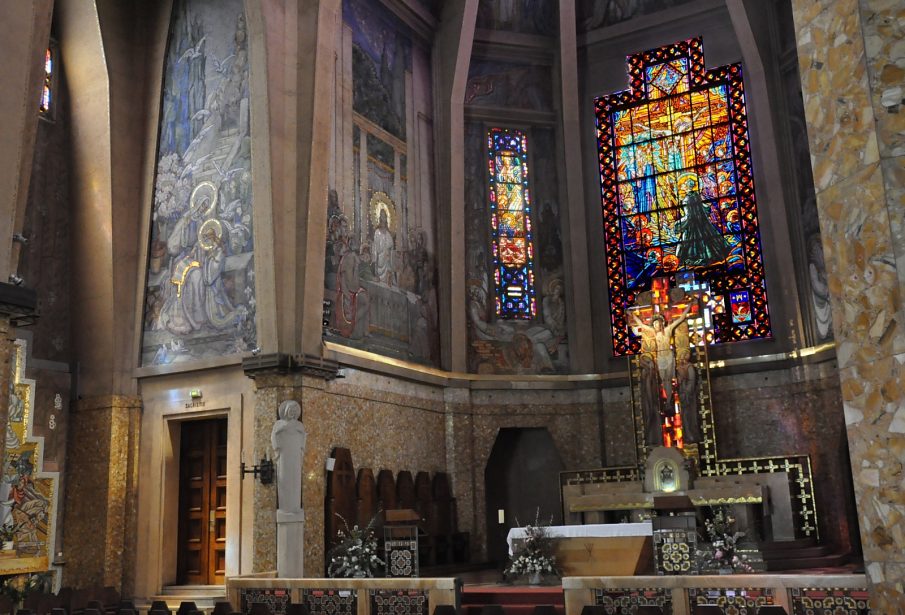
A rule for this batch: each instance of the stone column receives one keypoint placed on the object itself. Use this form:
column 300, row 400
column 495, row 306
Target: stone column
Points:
column 99, row 507
column 851, row 59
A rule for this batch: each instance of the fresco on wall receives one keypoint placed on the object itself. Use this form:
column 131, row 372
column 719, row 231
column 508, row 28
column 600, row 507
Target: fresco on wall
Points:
column 499, row 346
column 28, row 501
column 593, row 14
column 200, row 299
column 498, row 84
column 522, row 16
column 380, row 270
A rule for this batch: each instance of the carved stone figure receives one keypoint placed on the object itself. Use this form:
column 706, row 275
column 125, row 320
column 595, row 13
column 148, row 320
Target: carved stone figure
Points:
column 288, row 440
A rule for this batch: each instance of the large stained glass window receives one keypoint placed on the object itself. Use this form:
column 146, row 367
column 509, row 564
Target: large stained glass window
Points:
column 678, row 189
column 510, row 208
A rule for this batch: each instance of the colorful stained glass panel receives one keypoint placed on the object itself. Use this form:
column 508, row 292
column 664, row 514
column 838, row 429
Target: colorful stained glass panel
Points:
column 510, row 204
column 678, row 188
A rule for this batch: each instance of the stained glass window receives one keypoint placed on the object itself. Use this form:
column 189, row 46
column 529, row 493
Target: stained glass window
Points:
column 677, row 189
column 46, row 92
column 510, row 210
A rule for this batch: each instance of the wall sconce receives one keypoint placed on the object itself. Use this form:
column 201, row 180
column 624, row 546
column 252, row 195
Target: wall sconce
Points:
column 263, row 470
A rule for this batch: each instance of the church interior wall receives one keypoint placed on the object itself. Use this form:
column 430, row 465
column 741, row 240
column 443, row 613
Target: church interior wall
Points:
column 81, row 259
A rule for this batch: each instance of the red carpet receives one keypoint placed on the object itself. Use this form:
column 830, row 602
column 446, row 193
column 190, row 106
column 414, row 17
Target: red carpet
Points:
column 515, row 599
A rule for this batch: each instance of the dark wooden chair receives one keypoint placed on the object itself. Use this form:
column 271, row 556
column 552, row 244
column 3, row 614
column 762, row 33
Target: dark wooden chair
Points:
column 492, row 609
column 544, row 609
column 297, row 608
column 707, row 609
column 772, row 609
column 445, row 609
column 58, row 610
column 185, row 607
column 649, row 609
column 593, row 609
column 259, row 608
column 222, row 607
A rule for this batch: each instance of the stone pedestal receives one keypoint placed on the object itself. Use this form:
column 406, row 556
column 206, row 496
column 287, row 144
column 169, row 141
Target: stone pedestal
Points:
column 290, row 544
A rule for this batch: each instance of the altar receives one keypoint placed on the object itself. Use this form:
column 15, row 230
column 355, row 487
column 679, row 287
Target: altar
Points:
column 616, row 549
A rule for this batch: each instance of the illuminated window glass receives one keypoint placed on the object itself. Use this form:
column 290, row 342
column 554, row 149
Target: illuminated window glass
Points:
column 510, row 210
column 677, row 189
column 46, row 92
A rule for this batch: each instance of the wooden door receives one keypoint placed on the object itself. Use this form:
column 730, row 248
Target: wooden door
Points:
column 201, row 558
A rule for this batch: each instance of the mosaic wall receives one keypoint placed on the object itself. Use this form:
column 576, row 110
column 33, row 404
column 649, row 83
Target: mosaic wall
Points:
column 492, row 83
column 499, row 346
column 523, row 16
column 380, row 270
column 27, row 493
column 593, row 14
column 200, row 298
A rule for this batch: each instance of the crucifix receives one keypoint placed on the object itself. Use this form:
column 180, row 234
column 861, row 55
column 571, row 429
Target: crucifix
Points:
column 668, row 377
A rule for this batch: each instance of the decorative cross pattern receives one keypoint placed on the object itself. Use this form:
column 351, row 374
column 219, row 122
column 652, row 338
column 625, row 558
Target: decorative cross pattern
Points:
column 399, row 602
column 677, row 189
column 674, row 551
column 738, row 601
column 276, row 599
column 828, row 601
column 330, row 601
column 626, row 601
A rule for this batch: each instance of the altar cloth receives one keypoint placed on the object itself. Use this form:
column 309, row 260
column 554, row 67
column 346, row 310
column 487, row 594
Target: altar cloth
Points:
column 596, row 530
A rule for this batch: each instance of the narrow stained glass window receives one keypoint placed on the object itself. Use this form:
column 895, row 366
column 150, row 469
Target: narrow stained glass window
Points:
column 677, row 189
column 510, row 209
column 47, row 92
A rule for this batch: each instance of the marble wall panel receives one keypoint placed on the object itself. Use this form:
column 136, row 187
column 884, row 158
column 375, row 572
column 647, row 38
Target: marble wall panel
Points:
column 850, row 56
column 96, row 526
column 883, row 25
column 835, row 89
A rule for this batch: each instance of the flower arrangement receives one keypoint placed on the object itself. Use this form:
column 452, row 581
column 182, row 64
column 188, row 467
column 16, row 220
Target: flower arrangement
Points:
column 534, row 558
column 724, row 540
column 18, row 586
column 354, row 554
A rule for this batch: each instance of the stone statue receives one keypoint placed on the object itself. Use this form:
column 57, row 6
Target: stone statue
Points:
column 288, row 440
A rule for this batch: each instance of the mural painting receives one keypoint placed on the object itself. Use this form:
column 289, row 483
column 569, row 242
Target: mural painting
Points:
column 28, row 501
column 523, row 16
column 380, row 270
column 500, row 346
column 597, row 13
column 200, row 299
column 498, row 84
